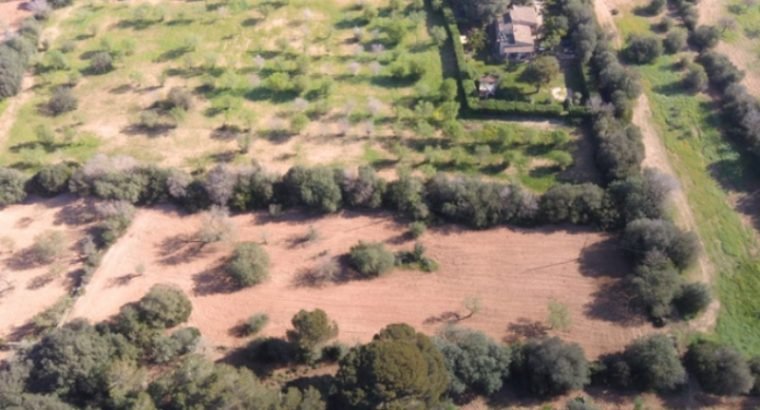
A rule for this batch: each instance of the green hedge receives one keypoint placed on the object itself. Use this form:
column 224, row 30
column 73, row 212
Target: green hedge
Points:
column 495, row 107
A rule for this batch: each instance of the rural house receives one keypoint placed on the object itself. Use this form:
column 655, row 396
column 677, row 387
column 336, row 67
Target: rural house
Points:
column 515, row 33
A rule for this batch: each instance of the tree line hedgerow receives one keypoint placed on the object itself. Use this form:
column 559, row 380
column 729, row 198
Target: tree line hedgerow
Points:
column 142, row 357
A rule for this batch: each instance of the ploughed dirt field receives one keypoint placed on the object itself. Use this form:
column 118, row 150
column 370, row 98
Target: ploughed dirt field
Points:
column 28, row 288
column 513, row 273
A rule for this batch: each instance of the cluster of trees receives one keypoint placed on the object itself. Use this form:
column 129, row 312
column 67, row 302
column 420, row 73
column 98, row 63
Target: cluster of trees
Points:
column 465, row 200
column 111, row 364
column 740, row 109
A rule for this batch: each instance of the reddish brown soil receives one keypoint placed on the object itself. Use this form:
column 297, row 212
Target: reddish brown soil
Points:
column 24, row 291
column 514, row 273
column 12, row 13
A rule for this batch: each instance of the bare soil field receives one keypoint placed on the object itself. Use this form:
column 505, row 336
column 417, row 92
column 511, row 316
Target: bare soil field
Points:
column 514, row 274
column 27, row 289
column 12, row 13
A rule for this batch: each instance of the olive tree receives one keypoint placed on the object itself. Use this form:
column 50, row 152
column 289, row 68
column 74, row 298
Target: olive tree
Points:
column 476, row 363
column 551, row 366
column 164, row 306
column 719, row 369
column 654, row 363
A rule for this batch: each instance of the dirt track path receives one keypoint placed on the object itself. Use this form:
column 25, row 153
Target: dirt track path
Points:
column 656, row 157
column 8, row 116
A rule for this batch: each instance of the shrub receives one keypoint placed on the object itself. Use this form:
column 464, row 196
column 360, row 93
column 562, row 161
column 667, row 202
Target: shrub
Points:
column 471, row 201
column 642, row 49
column 721, row 71
column 550, row 367
column 62, row 100
column 315, row 188
column 655, row 7
column 476, row 363
column 249, row 265
column 311, row 329
column 48, row 247
column 101, row 62
column 644, row 235
column 720, row 369
column 255, row 323
column 695, row 79
column 12, row 185
column 704, row 37
column 179, row 97
column 371, row 259
column 654, row 363
column 52, row 180
column 655, row 284
column 400, row 368
column 254, row 190
column 164, row 306
column 363, row 190
column 220, row 184
column 417, row 229
column 405, row 195
column 675, row 41
column 115, row 217
column 578, row 204
column 692, row 299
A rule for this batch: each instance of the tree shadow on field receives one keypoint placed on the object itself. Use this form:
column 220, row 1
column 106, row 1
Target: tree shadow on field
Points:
column 179, row 249
column 213, row 280
column 612, row 301
column 525, row 328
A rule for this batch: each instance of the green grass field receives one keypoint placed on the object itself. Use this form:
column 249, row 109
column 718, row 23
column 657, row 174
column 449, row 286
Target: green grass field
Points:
column 709, row 166
column 306, row 82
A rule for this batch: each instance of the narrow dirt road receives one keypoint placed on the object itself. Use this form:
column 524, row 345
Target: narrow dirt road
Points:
column 656, row 157
column 8, row 116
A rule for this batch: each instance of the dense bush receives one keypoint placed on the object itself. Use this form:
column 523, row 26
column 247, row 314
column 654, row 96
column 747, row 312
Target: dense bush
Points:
column 12, row 186
column 52, row 180
column 255, row 189
column 551, row 367
column 473, row 202
column 654, row 363
column 645, row 235
column 655, row 284
column 704, row 37
column 11, row 71
column 406, row 195
column 720, row 70
column 101, row 62
column 71, row 361
column 315, row 188
column 249, row 265
column 695, row 79
column 400, row 368
column 62, row 100
column 620, row 149
column 719, row 369
column 363, row 189
column 311, row 329
column 371, row 259
column 577, row 204
column 476, row 363
column 164, row 306
column 692, row 299
column 618, row 85
column 675, row 41
column 741, row 112
column 642, row 49
column 639, row 196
